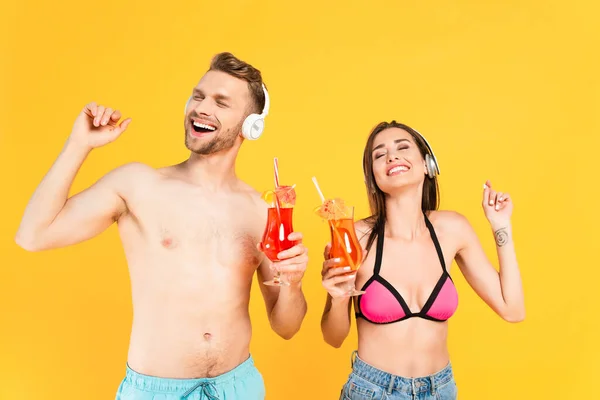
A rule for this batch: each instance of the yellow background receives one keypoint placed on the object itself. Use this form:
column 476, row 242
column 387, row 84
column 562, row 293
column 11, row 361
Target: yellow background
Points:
column 505, row 90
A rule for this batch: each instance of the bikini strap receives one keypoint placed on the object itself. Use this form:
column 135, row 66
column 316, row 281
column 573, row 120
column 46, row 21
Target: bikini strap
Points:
column 436, row 242
column 379, row 252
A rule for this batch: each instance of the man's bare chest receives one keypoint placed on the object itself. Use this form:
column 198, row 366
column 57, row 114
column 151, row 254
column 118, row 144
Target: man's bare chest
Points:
column 220, row 228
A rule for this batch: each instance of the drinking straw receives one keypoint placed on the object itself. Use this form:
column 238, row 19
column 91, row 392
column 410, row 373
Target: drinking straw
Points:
column 314, row 179
column 276, row 168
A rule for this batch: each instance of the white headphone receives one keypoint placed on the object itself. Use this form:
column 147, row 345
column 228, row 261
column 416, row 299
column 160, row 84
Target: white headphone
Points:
column 254, row 124
column 433, row 169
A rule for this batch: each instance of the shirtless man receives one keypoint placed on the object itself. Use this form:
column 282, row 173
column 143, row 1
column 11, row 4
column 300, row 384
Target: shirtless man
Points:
column 190, row 234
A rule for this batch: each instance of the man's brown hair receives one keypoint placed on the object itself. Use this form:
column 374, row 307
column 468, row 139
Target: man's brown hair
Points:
column 230, row 64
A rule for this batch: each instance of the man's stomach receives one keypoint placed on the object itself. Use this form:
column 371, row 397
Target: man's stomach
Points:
column 185, row 336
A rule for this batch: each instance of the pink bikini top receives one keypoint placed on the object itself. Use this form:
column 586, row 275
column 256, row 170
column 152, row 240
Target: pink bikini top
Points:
column 382, row 304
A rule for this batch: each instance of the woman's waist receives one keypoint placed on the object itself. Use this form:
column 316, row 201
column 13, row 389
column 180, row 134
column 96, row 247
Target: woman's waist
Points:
column 405, row 355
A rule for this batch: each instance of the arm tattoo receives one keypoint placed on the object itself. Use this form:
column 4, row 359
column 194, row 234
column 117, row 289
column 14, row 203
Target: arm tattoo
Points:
column 501, row 236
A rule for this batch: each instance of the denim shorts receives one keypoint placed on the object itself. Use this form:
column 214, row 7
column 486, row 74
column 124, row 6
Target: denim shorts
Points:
column 244, row 382
column 369, row 383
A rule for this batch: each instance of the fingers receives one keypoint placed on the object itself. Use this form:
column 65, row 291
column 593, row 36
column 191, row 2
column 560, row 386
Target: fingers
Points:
column 503, row 201
column 486, row 192
column 292, row 252
column 292, row 260
column 103, row 115
column 498, row 201
column 118, row 130
column 123, row 125
column 99, row 114
column 298, row 249
column 107, row 114
column 114, row 118
column 91, row 109
column 326, row 251
column 297, row 264
column 295, row 237
column 336, row 280
column 336, row 271
column 503, row 197
column 494, row 199
column 331, row 263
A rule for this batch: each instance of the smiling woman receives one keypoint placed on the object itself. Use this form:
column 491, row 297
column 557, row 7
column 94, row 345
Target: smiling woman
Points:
column 417, row 144
column 409, row 294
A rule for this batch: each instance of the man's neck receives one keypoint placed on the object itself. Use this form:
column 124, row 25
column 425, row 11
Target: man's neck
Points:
column 213, row 171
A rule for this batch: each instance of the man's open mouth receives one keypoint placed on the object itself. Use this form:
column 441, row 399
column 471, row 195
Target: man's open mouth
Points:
column 200, row 127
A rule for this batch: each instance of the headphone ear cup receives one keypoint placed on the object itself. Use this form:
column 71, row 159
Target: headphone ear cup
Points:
column 253, row 126
column 431, row 166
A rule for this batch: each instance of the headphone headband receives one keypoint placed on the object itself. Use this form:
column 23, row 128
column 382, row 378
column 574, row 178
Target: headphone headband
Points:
column 437, row 167
column 265, row 110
